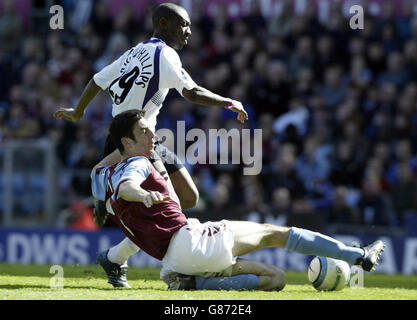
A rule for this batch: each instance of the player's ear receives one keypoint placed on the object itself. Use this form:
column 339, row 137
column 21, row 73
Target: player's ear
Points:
column 126, row 142
column 163, row 23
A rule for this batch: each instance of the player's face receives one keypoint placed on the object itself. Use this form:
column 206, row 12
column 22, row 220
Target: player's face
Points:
column 181, row 30
column 144, row 138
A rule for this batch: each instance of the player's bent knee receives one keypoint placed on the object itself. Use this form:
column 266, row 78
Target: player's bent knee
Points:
column 274, row 279
column 280, row 280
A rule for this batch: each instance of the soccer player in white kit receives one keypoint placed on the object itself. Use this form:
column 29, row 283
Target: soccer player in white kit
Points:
column 141, row 78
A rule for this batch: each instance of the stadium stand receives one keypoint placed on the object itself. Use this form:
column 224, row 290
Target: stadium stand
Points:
column 337, row 107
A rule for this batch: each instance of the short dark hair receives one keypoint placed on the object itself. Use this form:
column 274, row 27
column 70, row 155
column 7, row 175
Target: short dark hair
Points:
column 165, row 10
column 122, row 126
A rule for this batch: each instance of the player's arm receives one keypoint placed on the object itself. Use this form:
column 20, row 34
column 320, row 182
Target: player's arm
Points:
column 130, row 191
column 75, row 115
column 111, row 159
column 202, row 96
column 174, row 76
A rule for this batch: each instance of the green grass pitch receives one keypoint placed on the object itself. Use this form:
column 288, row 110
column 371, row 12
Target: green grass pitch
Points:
column 32, row 282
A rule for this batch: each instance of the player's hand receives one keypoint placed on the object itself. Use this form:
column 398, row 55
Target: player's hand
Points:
column 154, row 197
column 67, row 113
column 237, row 106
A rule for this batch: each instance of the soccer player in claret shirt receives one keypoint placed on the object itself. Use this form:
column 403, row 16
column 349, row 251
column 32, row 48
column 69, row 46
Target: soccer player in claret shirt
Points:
column 194, row 255
column 140, row 79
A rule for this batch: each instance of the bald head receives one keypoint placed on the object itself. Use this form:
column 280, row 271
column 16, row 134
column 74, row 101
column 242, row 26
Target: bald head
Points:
column 168, row 11
column 171, row 23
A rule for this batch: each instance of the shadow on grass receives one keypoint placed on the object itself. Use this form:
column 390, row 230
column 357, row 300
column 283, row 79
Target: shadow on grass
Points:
column 409, row 283
column 20, row 286
column 84, row 272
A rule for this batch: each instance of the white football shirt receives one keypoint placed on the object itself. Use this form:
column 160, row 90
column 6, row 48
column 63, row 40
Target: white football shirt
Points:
column 135, row 168
column 141, row 78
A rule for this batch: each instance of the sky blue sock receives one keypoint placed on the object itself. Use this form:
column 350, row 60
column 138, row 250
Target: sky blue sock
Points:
column 239, row 282
column 313, row 243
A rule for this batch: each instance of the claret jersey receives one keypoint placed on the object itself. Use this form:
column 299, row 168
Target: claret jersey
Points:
column 141, row 78
column 149, row 228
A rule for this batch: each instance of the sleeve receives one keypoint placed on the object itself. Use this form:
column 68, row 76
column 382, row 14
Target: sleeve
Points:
column 173, row 74
column 109, row 73
column 137, row 170
column 98, row 183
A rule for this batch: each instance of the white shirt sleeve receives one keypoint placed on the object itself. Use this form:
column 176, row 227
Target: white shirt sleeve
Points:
column 172, row 74
column 111, row 72
column 99, row 182
column 138, row 170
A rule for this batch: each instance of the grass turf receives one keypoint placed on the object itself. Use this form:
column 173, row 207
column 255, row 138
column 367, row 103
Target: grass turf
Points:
column 32, row 282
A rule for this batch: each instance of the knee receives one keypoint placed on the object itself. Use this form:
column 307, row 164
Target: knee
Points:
column 279, row 280
column 189, row 199
column 276, row 279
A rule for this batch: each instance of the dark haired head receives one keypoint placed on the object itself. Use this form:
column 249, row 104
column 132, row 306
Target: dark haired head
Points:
column 168, row 11
column 171, row 24
column 122, row 126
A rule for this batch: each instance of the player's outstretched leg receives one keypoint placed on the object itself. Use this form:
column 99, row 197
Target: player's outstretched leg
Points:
column 114, row 262
column 246, row 275
column 250, row 236
column 372, row 254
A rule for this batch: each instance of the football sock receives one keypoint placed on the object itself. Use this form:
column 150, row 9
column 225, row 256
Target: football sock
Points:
column 239, row 282
column 313, row 243
column 121, row 252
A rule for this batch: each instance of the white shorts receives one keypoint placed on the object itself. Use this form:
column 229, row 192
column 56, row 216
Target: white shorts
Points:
column 200, row 249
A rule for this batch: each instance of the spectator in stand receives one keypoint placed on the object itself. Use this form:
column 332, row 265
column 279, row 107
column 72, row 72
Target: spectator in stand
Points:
column 255, row 19
column 281, row 206
column 272, row 92
column 333, row 91
column 325, row 55
column 101, row 20
column 118, row 43
column 297, row 116
column 281, row 25
column 403, row 153
column 404, row 193
column 339, row 211
column 396, row 72
column 376, row 57
column 410, row 57
column 81, row 217
column 11, row 27
column 83, row 183
column 346, row 169
column 373, row 203
column 313, row 165
column 303, row 57
column 254, row 207
column 284, row 174
column 356, row 89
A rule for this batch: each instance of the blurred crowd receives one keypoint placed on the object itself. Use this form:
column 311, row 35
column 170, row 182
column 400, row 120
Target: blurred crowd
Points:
column 337, row 107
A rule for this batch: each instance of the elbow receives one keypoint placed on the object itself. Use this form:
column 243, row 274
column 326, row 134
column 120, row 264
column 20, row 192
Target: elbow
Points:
column 124, row 191
column 93, row 171
column 191, row 95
